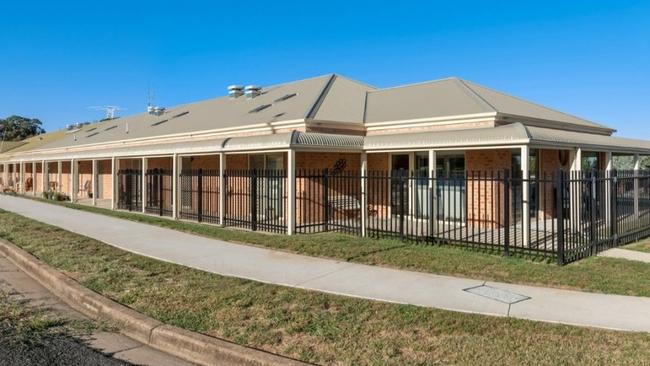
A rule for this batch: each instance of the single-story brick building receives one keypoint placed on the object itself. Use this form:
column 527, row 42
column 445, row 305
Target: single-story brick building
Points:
column 451, row 139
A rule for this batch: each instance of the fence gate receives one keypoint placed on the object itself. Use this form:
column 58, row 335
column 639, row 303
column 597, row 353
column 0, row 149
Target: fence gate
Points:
column 256, row 199
column 129, row 189
column 199, row 200
column 159, row 198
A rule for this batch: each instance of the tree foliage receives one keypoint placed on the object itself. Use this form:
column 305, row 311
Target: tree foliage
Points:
column 16, row 128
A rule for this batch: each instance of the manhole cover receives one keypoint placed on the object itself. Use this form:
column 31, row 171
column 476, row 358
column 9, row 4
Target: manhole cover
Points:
column 497, row 294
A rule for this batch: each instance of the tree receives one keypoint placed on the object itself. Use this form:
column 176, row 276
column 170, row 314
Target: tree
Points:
column 16, row 128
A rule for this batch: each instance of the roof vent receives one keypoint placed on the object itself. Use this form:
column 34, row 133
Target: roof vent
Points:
column 235, row 91
column 252, row 91
column 156, row 111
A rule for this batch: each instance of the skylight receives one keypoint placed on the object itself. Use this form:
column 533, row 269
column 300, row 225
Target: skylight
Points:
column 260, row 108
column 159, row 122
column 93, row 134
column 180, row 114
column 110, row 128
column 285, row 97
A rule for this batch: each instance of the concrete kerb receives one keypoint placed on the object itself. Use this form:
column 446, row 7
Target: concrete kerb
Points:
column 191, row 346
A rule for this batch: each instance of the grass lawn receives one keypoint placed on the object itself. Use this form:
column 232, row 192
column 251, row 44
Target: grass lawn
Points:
column 641, row 246
column 595, row 274
column 315, row 327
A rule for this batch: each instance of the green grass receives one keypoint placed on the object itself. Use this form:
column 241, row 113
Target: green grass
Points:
column 315, row 327
column 641, row 246
column 594, row 274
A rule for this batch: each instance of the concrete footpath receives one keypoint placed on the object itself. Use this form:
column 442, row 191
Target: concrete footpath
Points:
column 23, row 288
column 631, row 255
column 344, row 278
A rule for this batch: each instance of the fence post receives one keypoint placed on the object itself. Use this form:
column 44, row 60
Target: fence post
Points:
column 161, row 196
column 175, row 190
column 253, row 200
column 291, row 192
column 637, row 168
column 614, row 207
column 401, row 204
column 592, row 212
column 364, row 193
column 199, row 193
column 145, row 189
column 559, row 213
column 326, row 203
column 222, row 189
column 506, row 212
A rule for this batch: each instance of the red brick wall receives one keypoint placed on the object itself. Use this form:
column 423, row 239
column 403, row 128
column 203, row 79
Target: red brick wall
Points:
column 85, row 179
column 309, row 182
column 549, row 163
column 378, row 189
column 485, row 198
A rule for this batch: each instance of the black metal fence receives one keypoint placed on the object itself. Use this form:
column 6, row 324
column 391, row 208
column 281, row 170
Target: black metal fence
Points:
column 129, row 195
column 256, row 199
column 328, row 201
column 563, row 215
column 199, row 195
column 159, row 198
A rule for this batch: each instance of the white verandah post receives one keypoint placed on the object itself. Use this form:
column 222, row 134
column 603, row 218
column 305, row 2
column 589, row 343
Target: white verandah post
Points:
column 175, row 191
column 74, row 180
column 46, row 176
column 575, row 188
column 433, row 189
column 609, row 167
column 364, row 193
column 34, row 182
column 114, row 168
column 5, row 175
column 144, row 185
column 93, row 180
column 21, row 175
column 59, row 176
column 637, row 168
column 222, row 189
column 291, row 196
column 525, row 193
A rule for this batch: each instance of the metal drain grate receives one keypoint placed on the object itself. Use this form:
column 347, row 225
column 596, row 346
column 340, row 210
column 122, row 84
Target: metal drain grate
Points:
column 497, row 294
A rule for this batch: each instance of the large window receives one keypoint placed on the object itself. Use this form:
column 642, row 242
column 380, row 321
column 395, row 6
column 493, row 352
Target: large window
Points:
column 533, row 171
column 589, row 161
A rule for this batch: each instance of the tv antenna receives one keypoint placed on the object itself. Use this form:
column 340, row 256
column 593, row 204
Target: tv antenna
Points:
column 109, row 110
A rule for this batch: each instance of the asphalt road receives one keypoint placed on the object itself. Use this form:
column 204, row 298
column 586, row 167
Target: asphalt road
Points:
column 51, row 351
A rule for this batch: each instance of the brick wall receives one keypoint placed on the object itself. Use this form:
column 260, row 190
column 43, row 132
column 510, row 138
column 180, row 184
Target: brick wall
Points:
column 104, row 179
column 309, row 182
column 485, row 197
column 85, row 188
column 549, row 163
column 378, row 189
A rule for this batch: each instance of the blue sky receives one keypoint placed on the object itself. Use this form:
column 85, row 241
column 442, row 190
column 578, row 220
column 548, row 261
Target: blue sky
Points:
column 589, row 58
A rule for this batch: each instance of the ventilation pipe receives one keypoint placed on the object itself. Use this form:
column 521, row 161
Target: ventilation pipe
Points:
column 235, row 91
column 252, row 91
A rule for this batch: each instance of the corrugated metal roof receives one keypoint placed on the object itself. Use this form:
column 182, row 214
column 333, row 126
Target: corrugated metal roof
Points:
column 515, row 133
column 501, row 135
column 36, row 142
column 586, row 140
column 507, row 104
column 453, row 97
column 8, row 145
column 442, row 98
column 295, row 139
column 218, row 113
